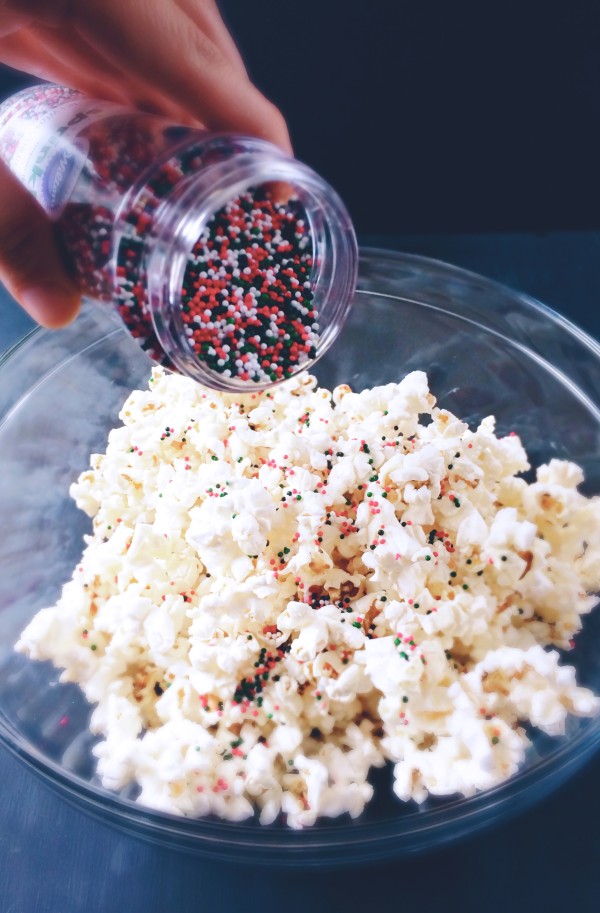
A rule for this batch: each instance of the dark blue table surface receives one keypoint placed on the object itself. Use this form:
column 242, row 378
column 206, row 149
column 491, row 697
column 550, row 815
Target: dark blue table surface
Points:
column 56, row 860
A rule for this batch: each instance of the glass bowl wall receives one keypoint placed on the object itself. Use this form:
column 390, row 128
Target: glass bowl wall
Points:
column 486, row 350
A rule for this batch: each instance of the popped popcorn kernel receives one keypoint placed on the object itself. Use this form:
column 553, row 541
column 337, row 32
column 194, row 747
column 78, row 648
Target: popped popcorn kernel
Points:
column 285, row 589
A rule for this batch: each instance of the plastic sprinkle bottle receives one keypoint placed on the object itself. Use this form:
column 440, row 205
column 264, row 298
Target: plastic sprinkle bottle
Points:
column 226, row 259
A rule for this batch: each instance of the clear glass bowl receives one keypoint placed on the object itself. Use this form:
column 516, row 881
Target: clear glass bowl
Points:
column 486, row 349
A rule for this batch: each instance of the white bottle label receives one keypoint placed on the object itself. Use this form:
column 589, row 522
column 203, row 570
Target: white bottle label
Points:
column 40, row 140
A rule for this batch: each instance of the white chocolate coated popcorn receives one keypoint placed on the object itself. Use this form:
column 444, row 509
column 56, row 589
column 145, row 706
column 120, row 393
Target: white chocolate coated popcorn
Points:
column 285, row 590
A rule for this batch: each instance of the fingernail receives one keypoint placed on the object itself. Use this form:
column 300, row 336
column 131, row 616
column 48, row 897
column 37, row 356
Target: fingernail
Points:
column 52, row 305
column 281, row 191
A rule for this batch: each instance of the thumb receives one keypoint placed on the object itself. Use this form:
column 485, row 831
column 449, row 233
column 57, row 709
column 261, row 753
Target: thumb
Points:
column 30, row 263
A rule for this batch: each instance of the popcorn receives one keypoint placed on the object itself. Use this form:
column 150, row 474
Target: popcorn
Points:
column 286, row 589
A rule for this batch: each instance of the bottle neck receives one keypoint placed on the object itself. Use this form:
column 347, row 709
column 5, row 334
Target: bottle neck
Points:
column 184, row 216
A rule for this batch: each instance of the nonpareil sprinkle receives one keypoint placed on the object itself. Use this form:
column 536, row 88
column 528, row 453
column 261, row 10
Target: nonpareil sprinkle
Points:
column 246, row 298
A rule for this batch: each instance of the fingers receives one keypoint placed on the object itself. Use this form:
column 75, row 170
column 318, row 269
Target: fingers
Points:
column 205, row 14
column 30, row 264
column 64, row 58
column 164, row 47
column 180, row 59
column 66, row 47
column 26, row 52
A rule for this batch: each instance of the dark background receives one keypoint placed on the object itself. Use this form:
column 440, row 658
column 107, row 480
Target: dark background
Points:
column 433, row 115
column 436, row 116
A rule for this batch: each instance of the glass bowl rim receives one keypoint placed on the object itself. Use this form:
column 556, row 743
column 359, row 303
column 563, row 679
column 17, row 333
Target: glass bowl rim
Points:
column 457, row 816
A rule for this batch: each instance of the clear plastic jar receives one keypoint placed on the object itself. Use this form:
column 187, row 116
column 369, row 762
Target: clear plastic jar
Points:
column 226, row 259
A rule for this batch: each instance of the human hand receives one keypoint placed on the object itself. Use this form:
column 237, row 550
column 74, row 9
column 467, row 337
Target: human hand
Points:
column 171, row 57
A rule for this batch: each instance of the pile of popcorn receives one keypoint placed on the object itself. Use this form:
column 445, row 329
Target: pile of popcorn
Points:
column 288, row 588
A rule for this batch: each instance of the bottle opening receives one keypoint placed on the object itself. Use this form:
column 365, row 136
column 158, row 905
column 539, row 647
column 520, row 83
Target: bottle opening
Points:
column 253, row 273
column 247, row 292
